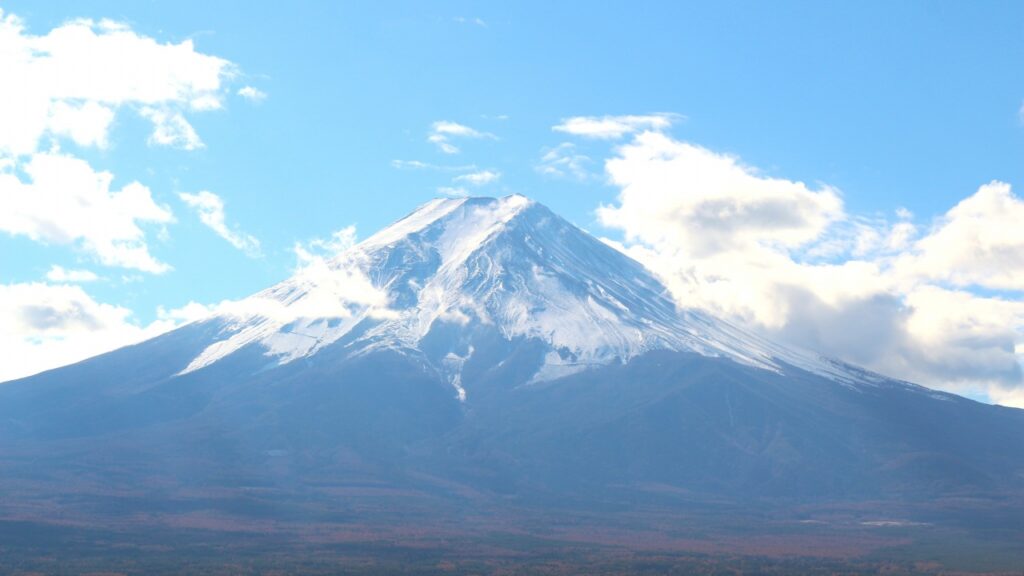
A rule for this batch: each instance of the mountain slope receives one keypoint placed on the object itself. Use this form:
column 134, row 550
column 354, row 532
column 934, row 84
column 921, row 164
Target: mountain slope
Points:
column 473, row 266
column 484, row 359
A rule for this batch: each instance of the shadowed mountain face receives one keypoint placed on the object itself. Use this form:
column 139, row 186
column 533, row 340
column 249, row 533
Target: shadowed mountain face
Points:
column 483, row 365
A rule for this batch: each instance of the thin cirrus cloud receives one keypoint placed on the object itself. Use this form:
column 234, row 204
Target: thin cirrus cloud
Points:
column 62, row 275
column 443, row 132
column 564, row 161
column 476, row 21
column 453, row 191
column 909, row 301
column 615, row 127
column 170, row 128
column 252, row 94
column 210, row 209
column 478, row 178
column 419, row 165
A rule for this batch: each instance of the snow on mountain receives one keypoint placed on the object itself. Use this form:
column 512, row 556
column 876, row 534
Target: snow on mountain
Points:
column 483, row 264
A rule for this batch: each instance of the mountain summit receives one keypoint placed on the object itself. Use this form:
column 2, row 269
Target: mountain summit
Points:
column 458, row 273
column 483, row 366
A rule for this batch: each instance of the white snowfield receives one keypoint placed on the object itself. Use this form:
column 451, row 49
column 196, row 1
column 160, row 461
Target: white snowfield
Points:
column 463, row 266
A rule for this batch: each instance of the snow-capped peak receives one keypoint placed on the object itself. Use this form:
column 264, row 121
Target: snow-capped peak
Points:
column 476, row 215
column 458, row 270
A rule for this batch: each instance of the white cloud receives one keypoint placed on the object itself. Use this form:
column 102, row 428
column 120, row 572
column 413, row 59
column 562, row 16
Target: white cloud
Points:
column 614, row 127
column 63, row 201
column 456, row 129
column 410, row 165
column 703, row 202
column 443, row 144
column 205, row 103
column 453, row 191
column 748, row 247
column 86, row 124
column 564, row 161
column 330, row 281
column 479, row 178
column 70, row 81
column 476, row 21
column 60, row 274
column 418, row 165
column 179, row 316
column 443, row 131
column 210, row 209
column 334, row 281
column 252, row 94
column 325, row 248
column 965, row 337
column 1020, row 113
column 170, row 128
column 980, row 242
column 46, row 326
column 69, row 85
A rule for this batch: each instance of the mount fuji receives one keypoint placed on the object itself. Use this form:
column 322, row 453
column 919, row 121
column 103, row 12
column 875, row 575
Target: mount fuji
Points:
column 458, row 273
column 484, row 366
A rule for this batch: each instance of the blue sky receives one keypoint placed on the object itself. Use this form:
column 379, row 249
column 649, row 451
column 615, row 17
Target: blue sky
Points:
column 893, row 106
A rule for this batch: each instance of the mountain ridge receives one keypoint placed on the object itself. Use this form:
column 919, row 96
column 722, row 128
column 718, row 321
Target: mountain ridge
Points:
column 455, row 261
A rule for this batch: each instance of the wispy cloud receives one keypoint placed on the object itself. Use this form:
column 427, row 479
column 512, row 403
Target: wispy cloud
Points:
column 61, row 274
column 614, row 127
column 479, row 178
column 443, row 132
column 419, row 165
column 564, row 161
column 170, row 128
column 210, row 209
column 453, row 191
column 252, row 94
column 475, row 21
column 325, row 248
